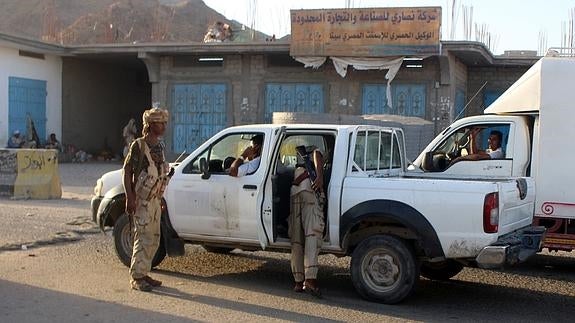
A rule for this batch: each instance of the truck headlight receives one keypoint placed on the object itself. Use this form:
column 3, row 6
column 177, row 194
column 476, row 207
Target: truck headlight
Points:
column 98, row 187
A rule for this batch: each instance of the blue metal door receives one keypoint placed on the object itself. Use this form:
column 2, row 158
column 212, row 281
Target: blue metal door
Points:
column 27, row 97
column 408, row 99
column 374, row 99
column 199, row 112
column 293, row 97
column 459, row 103
column 489, row 96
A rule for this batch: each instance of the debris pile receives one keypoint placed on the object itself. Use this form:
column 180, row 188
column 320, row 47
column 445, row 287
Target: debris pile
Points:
column 218, row 32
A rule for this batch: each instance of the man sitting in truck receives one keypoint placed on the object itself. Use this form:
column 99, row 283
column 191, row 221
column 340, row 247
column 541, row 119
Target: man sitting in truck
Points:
column 249, row 160
column 493, row 152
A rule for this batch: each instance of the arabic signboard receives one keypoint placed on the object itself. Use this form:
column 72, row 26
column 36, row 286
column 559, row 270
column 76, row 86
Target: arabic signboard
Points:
column 366, row 32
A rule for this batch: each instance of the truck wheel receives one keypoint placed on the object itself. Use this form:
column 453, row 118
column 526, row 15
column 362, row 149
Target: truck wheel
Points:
column 213, row 249
column 384, row 269
column 442, row 270
column 123, row 243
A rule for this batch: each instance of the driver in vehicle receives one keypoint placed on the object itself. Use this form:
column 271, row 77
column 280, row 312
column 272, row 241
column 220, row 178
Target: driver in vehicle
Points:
column 494, row 151
column 249, row 160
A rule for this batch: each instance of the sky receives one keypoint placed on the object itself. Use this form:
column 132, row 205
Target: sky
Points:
column 513, row 24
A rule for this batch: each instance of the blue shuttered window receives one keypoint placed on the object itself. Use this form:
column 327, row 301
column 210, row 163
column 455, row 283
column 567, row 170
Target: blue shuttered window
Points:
column 293, row 97
column 199, row 112
column 407, row 99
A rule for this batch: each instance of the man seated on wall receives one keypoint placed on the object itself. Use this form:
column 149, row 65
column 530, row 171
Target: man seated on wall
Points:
column 53, row 143
column 16, row 141
column 249, row 160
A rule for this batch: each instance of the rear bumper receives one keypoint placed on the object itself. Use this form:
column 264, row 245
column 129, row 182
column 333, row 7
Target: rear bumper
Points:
column 512, row 248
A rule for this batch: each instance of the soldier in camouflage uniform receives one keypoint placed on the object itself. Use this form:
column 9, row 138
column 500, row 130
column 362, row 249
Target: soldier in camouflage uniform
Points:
column 145, row 163
column 306, row 225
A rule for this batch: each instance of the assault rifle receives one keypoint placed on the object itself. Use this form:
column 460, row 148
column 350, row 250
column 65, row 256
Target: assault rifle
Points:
column 308, row 165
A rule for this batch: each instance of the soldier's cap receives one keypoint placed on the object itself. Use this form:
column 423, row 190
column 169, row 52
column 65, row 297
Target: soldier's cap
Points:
column 155, row 115
column 16, row 132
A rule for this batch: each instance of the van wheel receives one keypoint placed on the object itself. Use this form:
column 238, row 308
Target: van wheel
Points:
column 442, row 270
column 123, row 243
column 384, row 269
column 213, row 249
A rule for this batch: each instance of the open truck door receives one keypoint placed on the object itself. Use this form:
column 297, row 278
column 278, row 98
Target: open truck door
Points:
column 265, row 223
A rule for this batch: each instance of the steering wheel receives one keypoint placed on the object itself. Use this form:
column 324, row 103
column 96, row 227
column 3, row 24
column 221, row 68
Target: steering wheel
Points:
column 441, row 161
column 459, row 145
column 463, row 145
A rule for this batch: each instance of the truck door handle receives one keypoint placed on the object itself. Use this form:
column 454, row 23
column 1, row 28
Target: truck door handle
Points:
column 250, row 187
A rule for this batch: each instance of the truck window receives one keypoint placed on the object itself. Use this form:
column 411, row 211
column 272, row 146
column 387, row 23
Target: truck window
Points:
column 221, row 154
column 288, row 156
column 376, row 151
column 472, row 139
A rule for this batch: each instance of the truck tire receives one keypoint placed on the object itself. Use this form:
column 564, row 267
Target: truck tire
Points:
column 214, row 249
column 123, row 243
column 384, row 269
column 442, row 270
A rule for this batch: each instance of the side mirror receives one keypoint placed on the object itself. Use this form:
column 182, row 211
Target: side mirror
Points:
column 204, row 168
column 428, row 161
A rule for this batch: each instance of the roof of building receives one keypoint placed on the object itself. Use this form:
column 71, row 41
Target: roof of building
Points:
column 469, row 52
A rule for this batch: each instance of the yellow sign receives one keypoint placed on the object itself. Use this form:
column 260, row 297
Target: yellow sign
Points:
column 367, row 32
column 38, row 175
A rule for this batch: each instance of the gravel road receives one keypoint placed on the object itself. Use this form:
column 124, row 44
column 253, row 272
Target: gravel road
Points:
column 69, row 273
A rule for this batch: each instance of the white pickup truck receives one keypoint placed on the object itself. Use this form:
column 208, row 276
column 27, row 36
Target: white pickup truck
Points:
column 394, row 225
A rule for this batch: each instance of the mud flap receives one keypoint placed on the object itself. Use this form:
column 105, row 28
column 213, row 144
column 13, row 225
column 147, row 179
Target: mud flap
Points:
column 172, row 242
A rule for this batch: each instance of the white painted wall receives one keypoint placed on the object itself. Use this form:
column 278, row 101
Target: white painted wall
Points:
column 49, row 69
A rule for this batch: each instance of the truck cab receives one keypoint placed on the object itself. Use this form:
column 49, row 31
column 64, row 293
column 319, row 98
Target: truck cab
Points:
column 534, row 115
column 457, row 139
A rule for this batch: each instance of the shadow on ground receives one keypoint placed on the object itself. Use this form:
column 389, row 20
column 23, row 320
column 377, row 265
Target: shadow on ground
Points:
column 23, row 303
column 437, row 301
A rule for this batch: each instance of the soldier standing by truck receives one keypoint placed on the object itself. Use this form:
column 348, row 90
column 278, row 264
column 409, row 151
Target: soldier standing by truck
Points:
column 306, row 220
column 145, row 179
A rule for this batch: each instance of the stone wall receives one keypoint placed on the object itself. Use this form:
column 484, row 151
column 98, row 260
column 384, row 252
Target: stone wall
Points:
column 498, row 80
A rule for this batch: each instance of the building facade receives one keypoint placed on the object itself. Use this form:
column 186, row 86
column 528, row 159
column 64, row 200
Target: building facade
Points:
column 30, row 87
column 207, row 87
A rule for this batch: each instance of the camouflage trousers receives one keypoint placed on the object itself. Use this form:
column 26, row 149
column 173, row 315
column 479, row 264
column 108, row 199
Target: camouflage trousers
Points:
column 146, row 236
column 306, row 225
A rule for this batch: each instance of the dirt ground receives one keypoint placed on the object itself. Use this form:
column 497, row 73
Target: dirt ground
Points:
column 69, row 272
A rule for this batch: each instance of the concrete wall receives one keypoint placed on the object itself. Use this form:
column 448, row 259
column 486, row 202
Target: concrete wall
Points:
column 497, row 78
column 48, row 69
column 461, row 76
column 246, row 77
column 99, row 98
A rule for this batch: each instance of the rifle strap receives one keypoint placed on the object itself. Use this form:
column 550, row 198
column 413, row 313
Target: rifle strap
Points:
column 300, row 178
column 135, row 177
column 140, row 157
